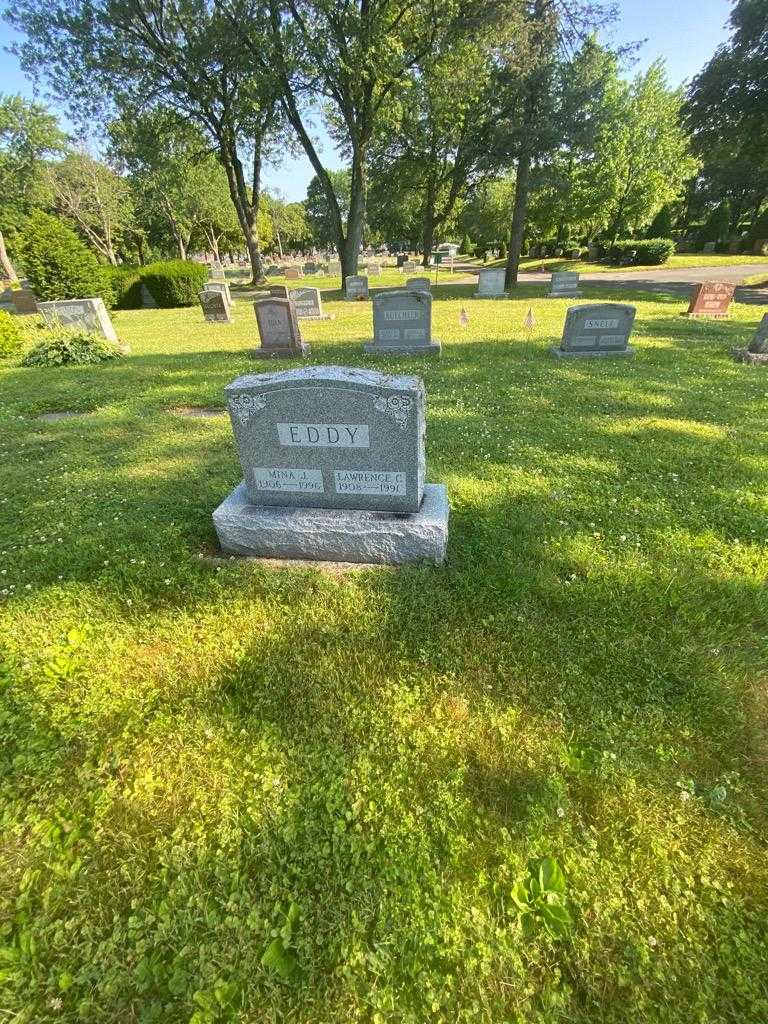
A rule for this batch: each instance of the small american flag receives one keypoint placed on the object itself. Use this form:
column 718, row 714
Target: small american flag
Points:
column 463, row 317
column 530, row 321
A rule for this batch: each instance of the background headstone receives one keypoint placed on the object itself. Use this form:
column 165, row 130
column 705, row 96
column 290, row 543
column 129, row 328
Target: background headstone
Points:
column 402, row 322
column 356, row 287
column 24, row 300
column 564, row 284
column 219, row 286
column 272, row 270
column 279, row 291
column 278, row 330
column 599, row 329
column 373, row 268
column 409, row 266
column 708, row 247
column 334, row 268
column 310, row 268
column 293, row 273
column 418, row 284
column 713, row 298
column 308, row 303
column 490, row 284
column 89, row 314
column 215, row 306
column 217, row 274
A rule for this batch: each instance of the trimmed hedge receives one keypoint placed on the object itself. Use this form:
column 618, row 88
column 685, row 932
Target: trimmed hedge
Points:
column 647, row 251
column 58, row 264
column 174, row 283
column 125, row 281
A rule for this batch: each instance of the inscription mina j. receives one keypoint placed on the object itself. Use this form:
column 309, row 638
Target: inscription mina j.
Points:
column 330, row 437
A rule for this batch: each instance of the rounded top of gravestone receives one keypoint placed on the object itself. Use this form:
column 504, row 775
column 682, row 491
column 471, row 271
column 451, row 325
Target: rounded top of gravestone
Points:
column 328, row 375
column 403, row 295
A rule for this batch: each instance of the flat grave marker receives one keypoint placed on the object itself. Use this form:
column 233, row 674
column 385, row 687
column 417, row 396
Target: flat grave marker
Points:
column 596, row 330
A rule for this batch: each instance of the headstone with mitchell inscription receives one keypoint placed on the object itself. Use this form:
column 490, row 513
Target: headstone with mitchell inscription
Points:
column 334, row 469
column 402, row 323
column 88, row 314
column 713, row 298
column 356, row 287
column 309, row 305
column 490, row 284
column 564, row 285
column 595, row 330
column 215, row 307
column 278, row 330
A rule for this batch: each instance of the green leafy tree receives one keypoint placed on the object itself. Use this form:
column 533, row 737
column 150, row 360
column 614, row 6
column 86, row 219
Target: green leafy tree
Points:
column 718, row 224
column 29, row 135
column 661, row 225
column 320, row 214
column 58, row 264
column 485, row 215
column 290, row 226
column 95, row 199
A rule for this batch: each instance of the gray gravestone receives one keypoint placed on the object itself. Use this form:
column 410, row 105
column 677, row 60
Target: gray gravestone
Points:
column 334, row 268
column 408, row 266
column 757, row 350
column 402, row 322
column 309, row 305
column 356, row 287
column 215, row 306
column 293, row 273
column 219, row 286
column 217, row 274
column 708, row 247
column 334, row 468
column 148, row 300
column 564, row 285
column 24, row 300
column 272, row 270
column 278, row 330
column 310, row 268
column 490, row 284
column 374, row 269
column 418, row 284
column 279, row 291
column 89, row 314
column 600, row 329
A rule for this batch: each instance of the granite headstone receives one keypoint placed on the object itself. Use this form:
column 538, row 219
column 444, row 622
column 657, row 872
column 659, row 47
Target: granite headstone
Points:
column 279, row 291
column 334, row 468
column 309, row 305
column 356, row 287
column 293, row 273
column 215, row 306
column 89, row 314
column 564, row 285
column 278, row 330
column 713, row 299
column 490, row 284
column 402, row 323
column 595, row 330
column 418, row 284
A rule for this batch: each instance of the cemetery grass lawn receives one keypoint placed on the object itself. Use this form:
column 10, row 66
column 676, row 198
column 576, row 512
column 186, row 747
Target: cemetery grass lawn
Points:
column 191, row 746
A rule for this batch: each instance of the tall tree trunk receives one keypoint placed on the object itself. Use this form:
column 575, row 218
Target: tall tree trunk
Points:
column 428, row 225
column 5, row 261
column 519, row 214
column 349, row 249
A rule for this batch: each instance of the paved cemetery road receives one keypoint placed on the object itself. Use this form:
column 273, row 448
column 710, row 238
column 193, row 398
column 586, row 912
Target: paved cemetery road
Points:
column 676, row 280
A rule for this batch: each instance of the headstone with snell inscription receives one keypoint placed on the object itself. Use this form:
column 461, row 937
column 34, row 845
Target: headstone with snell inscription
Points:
column 418, row 284
column 216, row 309
column 334, row 469
column 713, row 298
column 88, row 314
column 278, row 330
column 356, row 287
column 600, row 329
column 309, row 305
column 490, row 284
column 402, row 323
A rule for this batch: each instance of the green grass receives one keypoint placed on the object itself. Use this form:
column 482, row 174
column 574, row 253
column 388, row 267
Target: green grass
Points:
column 190, row 745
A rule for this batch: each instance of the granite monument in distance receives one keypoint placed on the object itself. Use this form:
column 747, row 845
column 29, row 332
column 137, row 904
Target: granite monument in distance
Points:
column 418, row 284
column 356, row 287
column 86, row 314
column 309, row 305
column 402, row 323
column 596, row 330
column 293, row 273
column 564, row 284
column 490, row 284
column 215, row 307
column 334, row 469
column 757, row 350
column 278, row 330
column 279, row 291
column 334, row 268
column 713, row 299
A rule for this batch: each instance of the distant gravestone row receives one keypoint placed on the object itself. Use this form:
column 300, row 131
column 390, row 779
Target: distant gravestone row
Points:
column 334, row 468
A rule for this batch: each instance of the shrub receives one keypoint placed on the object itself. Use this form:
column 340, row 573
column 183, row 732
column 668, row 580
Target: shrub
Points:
column 648, row 251
column 174, row 282
column 125, row 282
column 58, row 264
column 10, row 335
column 63, row 347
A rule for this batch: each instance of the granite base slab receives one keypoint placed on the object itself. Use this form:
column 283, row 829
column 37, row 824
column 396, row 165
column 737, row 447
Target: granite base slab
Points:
column 281, row 353
column 335, row 535
column 564, row 295
column 373, row 348
column 623, row 353
column 500, row 295
column 743, row 355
